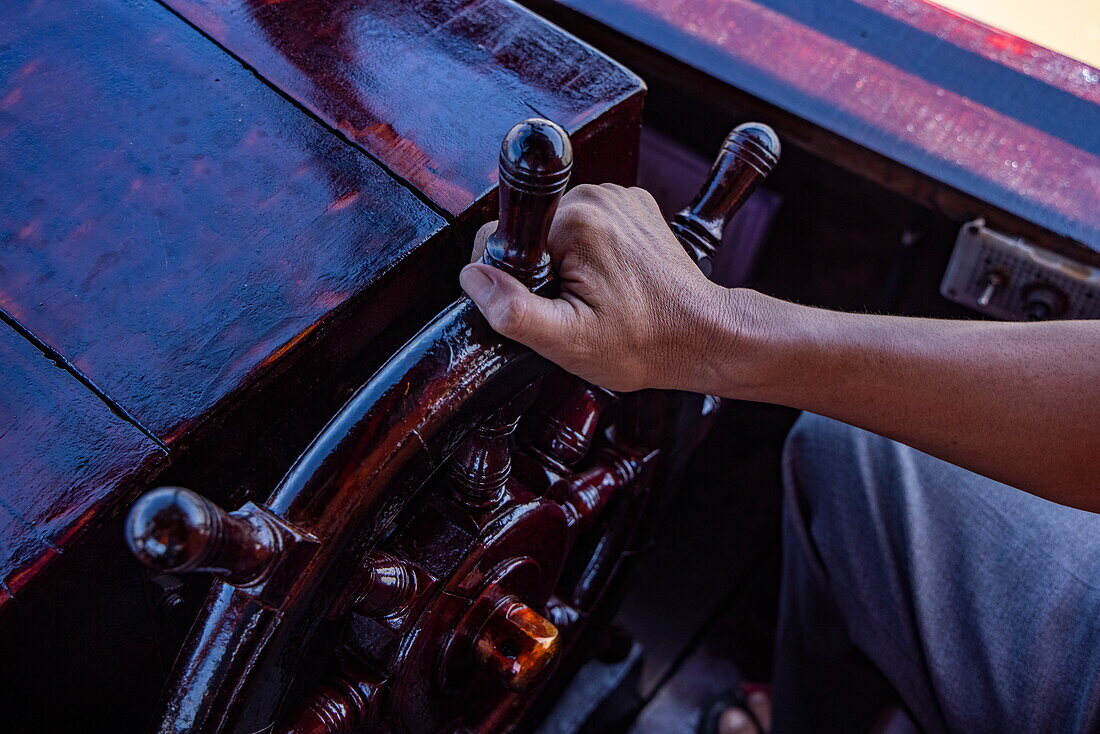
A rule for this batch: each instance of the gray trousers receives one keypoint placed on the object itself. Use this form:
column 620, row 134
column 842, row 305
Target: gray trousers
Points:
column 975, row 604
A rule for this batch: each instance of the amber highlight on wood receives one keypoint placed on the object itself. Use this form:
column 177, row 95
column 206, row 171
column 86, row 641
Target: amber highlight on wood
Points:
column 748, row 154
column 536, row 158
column 518, row 644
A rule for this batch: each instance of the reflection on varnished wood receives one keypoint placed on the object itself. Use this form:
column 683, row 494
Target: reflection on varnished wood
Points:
column 64, row 455
column 177, row 229
column 972, row 108
column 390, row 74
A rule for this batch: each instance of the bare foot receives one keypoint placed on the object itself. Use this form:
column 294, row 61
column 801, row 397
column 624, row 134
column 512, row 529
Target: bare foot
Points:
column 735, row 721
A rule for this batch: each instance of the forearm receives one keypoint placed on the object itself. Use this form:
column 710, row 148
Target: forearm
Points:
column 1019, row 403
column 1016, row 402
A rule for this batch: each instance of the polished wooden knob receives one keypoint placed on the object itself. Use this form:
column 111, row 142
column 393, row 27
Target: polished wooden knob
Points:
column 340, row 704
column 748, row 154
column 388, row 586
column 536, row 159
column 585, row 494
column 561, row 431
column 518, row 644
column 173, row 529
column 481, row 465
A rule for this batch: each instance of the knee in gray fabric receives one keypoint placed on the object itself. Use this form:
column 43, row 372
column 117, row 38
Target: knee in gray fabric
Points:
column 815, row 438
column 824, row 461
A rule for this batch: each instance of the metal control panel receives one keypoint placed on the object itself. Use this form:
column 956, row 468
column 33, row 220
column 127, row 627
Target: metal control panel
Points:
column 1011, row 279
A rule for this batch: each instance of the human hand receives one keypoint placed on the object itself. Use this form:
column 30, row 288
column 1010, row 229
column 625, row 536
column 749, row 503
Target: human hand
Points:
column 633, row 310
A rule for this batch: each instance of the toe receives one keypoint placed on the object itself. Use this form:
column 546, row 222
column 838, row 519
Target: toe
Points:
column 761, row 706
column 735, row 721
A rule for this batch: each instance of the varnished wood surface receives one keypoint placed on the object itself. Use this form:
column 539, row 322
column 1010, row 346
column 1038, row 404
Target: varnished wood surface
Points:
column 180, row 233
column 427, row 88
column 172, row 226
column 995, row 117
column 375, row 453
column 67, row 460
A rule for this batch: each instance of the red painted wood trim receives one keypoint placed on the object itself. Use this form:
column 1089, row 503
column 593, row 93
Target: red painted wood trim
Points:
column 994, row 44
column 912, row 82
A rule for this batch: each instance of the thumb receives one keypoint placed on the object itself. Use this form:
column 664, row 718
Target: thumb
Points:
column 480, row 239
column 509, row 307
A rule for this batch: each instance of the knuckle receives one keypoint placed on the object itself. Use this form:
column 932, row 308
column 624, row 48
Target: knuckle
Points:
column 584, row 191
column 642, row 195
column 593, row 195
column 579, row 217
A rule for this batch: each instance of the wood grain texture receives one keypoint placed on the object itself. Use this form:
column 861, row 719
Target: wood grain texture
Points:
column 68, row 460
column 492, row 550
column 991, row 115
column 427, row 88
column 201, row 250
column 173, row 227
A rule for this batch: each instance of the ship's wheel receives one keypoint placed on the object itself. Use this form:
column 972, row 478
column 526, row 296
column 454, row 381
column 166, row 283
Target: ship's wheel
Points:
column 441, row 555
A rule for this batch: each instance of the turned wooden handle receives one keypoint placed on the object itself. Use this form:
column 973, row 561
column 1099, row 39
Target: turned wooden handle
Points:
column 173, row 529
column 748, row 154
column 388, row 586
column 536, row 158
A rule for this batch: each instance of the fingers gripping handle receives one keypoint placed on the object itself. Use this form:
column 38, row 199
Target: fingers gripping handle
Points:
column 748, row 154
column 536, row 159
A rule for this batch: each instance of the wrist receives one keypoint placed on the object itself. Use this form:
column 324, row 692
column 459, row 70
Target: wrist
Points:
column 702, row 335
column 738, row 341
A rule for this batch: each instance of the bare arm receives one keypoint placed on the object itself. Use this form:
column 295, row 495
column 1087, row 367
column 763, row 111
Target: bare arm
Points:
column 1019, row 403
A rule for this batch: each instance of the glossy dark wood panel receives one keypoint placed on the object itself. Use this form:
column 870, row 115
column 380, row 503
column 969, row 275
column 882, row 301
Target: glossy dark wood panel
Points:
column 291, row 554
column 171, row 225
column 427, row 88
column 380, row 448
column 978, row 110
column 454, row 619
column 67, row 459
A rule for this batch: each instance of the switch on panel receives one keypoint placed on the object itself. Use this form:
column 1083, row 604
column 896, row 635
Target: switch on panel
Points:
column 1012, row 279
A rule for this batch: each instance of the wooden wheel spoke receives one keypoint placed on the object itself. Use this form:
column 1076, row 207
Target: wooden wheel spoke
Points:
column 586, row 494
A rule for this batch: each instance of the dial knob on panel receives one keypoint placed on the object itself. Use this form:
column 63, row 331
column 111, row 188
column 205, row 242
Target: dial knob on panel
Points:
column 1042, row 302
